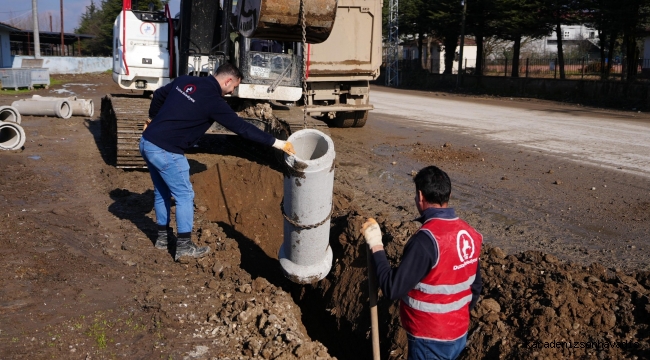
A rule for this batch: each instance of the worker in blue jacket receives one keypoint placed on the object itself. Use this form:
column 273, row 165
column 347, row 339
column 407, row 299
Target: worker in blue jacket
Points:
column 181, row 112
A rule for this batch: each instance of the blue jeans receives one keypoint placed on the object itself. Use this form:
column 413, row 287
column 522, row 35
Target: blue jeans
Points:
column 170, row 174
column 423, row 349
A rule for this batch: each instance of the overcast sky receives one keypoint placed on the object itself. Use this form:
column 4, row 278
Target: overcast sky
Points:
column 72, row 10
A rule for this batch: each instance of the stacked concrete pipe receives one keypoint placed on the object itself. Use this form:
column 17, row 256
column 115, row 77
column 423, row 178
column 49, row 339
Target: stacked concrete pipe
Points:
column 12, row 136
column 54, row 107
column 9, row 114
column 305, row 254
column 80, row 107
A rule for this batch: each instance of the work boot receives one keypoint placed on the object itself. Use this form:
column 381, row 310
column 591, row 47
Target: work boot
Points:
column 165, row 234
column 162, row 242
column 185, row 247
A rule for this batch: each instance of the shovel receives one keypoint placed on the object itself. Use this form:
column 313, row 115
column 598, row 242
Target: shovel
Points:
column 374, row 321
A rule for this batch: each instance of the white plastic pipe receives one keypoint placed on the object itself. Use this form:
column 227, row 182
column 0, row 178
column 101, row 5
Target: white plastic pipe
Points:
column 9, row 113
column 12, row 136
column 60, row 107
column 80, row 107
column 305, row 254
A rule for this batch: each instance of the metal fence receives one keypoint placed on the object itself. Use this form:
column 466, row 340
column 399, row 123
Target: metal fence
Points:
column 27, row 48
column 580, row 68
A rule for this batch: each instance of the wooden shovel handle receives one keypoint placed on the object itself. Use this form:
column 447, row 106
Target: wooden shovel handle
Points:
column 374, row 320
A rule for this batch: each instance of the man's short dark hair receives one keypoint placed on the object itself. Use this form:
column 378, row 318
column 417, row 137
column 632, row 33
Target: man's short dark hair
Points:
column 434, row 184
column 229, row 69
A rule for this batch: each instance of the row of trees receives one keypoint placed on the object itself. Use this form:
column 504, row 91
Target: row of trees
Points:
column 98, row 21
column 620, row 25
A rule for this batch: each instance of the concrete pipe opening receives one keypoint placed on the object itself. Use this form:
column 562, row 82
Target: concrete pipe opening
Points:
column 305, row 255
column 9, row 114
column 63, row 110
column 12, row 136
column 311, row 146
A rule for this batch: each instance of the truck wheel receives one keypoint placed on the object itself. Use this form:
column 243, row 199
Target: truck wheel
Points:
column 346, row 119
column 361, row 117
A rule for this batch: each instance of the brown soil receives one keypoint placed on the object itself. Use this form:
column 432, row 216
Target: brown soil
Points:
column 84, row 281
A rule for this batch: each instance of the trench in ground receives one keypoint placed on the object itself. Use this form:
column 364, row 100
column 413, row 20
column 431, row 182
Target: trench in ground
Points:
column 243, row 196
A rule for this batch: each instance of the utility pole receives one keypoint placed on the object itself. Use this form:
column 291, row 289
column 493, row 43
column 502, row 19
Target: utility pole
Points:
column 392, row 51
column 37, row 38
column 462, row 43
column 50, row 22
column 62, row 53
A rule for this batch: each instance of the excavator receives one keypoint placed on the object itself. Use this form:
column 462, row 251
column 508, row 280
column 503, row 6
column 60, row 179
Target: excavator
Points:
column 265, row 39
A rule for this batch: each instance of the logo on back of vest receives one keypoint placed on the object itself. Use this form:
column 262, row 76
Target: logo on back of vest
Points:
column 465, row 247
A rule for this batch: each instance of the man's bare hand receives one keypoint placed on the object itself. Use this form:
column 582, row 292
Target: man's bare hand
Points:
column 146, row 123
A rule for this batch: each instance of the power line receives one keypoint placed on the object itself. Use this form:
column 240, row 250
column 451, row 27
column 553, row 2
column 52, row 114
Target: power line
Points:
column 11, row 11
column 16, row 17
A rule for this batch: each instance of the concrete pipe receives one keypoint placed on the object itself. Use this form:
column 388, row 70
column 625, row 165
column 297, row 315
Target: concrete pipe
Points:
column 80, row 107
column 60, row 107
column 12, row 136
column 83, row 107
column 305, row 254
column 38, row 97
column 10, row 113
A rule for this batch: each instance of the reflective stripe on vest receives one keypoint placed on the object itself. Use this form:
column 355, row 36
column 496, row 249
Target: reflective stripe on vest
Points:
column 437, row 308
column 445, row 289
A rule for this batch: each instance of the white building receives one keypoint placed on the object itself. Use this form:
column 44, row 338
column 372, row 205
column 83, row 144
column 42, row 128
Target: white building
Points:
column 577, row 39
column 434, row 54
column 469, row 57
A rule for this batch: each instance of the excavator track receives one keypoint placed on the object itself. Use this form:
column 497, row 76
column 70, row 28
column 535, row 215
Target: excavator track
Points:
column 122, row 120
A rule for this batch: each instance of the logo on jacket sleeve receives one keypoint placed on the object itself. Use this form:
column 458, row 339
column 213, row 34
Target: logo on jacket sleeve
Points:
column 465, row 246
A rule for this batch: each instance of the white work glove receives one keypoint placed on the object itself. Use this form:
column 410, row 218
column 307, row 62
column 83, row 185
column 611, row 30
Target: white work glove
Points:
column 285, row 146
column 372, row 233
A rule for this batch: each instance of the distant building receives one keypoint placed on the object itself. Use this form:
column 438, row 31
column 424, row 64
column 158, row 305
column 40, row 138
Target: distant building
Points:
column 5, row 44
column 579, row 40
column 433, row 54
column 437, row 57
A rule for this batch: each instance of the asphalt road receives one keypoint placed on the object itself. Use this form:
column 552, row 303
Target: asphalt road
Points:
column 611, row 139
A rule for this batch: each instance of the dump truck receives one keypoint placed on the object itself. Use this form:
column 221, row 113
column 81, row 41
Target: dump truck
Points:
column 339, row 70
column 264, row 39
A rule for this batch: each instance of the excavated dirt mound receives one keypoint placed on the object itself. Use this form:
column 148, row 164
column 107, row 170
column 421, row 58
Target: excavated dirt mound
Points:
column 532, row 305
column 536, row 307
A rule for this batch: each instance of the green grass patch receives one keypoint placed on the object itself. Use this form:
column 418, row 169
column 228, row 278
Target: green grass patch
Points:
column 97, row 332
column 12, row 92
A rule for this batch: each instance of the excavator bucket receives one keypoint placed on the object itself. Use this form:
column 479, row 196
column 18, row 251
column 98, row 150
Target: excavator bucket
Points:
column 281, row 19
